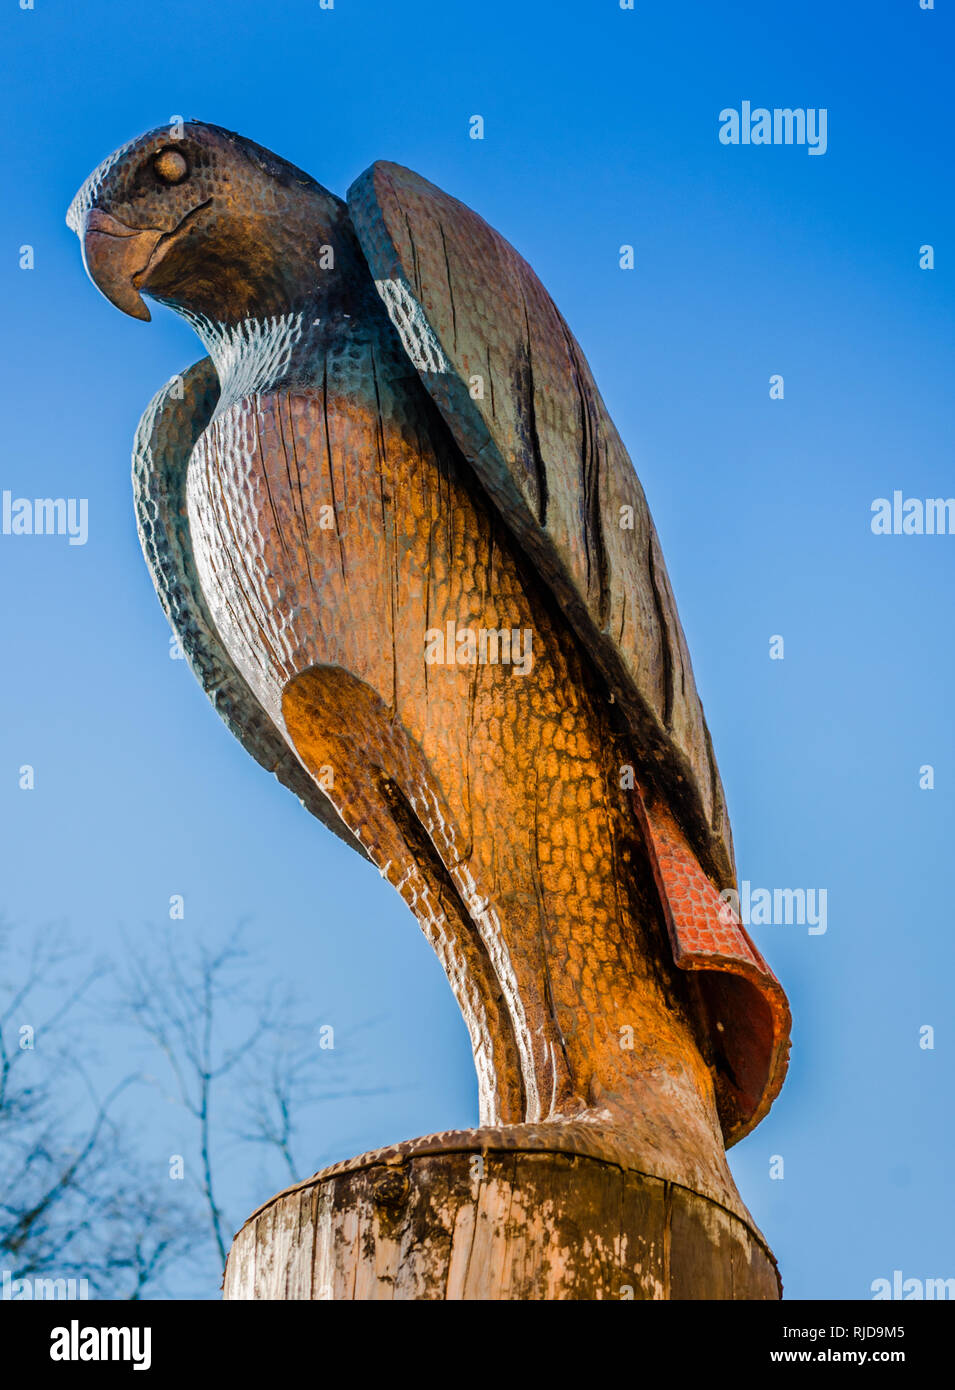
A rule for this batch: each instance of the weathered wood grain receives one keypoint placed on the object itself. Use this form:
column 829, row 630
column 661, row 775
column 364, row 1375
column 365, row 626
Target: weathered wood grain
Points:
column 467, row 1224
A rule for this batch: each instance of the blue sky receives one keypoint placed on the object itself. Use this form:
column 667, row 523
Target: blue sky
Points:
column 601, row 129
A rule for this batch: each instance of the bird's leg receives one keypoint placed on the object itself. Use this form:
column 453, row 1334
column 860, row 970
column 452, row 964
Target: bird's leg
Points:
column 375, row 777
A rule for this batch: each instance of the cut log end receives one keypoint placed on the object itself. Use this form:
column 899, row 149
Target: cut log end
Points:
column 493, row 1225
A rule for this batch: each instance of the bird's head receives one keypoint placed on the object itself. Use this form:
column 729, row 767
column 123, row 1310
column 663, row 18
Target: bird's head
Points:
column 209, row 223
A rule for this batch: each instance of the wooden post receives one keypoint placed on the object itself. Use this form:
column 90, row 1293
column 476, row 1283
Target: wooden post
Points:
column 466, row 1215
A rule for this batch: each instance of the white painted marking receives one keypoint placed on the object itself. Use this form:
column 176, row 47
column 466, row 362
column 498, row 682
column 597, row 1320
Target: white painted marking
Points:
column 417, row 336
column 251, row 356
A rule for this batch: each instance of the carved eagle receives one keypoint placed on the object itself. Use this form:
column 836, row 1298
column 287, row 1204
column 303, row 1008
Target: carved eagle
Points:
column 395, row 434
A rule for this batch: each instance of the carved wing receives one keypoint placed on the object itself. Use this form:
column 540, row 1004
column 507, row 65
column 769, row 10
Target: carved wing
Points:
column 519, row 398
column 517, row 393
column 172, row 423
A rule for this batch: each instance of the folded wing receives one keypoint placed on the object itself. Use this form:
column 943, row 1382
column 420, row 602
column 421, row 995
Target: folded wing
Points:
column 172, row 423
column 517, row 394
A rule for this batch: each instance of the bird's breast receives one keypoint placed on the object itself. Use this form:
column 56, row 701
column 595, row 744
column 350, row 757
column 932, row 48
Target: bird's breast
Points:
column 341, row 529
column 298, row 533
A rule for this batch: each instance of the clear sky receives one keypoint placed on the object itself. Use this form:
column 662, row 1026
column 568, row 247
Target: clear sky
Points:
column 601, row 129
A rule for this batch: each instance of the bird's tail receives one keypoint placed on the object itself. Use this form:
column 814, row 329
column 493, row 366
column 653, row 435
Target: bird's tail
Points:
column 744, row 1007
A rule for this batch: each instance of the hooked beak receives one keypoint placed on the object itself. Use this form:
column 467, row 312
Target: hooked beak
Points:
column 115, row 257
column 118, row 258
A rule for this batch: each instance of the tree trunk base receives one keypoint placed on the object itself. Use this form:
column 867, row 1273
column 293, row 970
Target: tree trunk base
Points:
column 452, row 1217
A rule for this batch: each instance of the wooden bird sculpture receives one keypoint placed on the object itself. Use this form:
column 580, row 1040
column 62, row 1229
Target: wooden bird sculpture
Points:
column 406, row 553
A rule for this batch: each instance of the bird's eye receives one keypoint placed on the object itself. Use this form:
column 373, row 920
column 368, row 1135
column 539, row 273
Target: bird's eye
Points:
column 170, row 166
